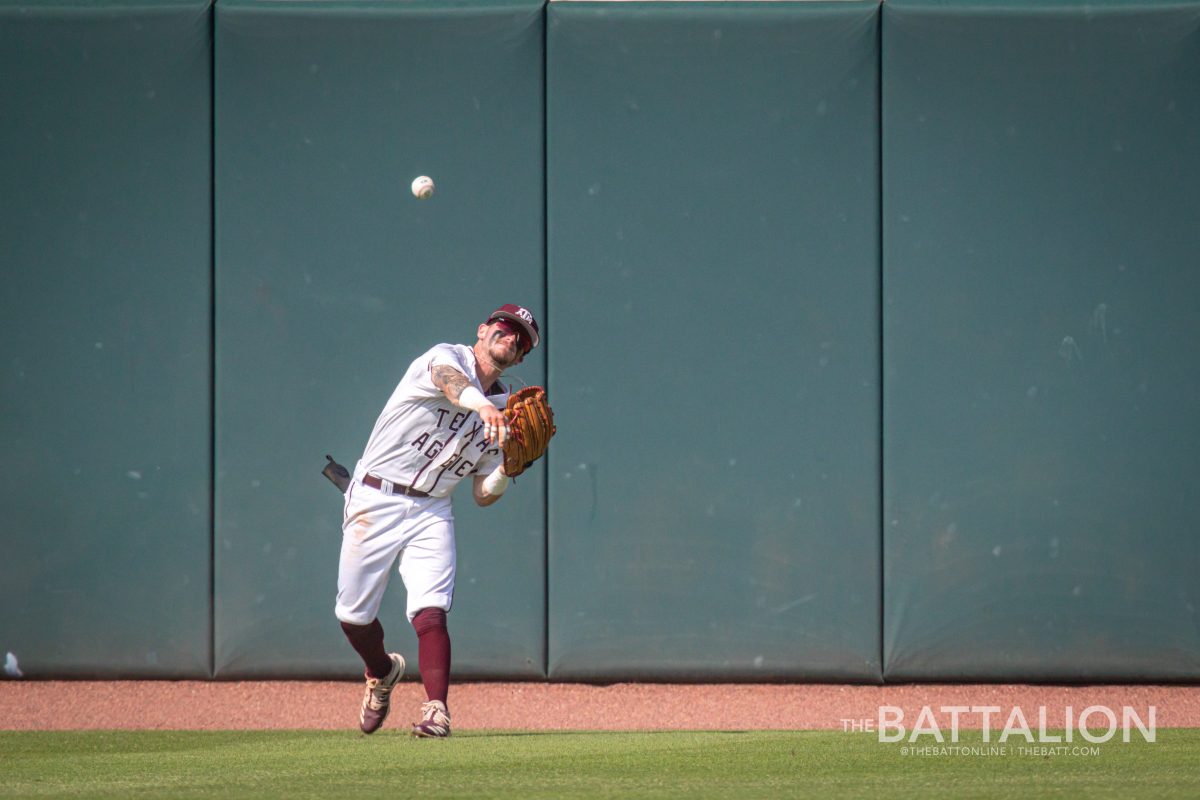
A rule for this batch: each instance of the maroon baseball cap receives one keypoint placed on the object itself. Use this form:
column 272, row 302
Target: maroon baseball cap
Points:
column 520, row 315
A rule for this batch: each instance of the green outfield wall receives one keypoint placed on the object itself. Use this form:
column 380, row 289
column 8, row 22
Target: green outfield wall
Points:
column 331, row 278
column 868, row 329
column 106, row 343
column 1041, row 225
column 712, row 175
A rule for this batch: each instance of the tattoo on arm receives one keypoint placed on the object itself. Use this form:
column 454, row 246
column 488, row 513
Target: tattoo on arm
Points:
column 450, row 381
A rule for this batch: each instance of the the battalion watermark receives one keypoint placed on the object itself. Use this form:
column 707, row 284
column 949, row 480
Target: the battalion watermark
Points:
column 1072, row 734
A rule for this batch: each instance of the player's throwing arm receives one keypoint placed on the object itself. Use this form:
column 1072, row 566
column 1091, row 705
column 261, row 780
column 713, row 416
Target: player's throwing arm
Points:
column 458, row 390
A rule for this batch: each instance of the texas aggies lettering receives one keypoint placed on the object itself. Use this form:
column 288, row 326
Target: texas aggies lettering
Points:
column 420, row 430
column 459, row 465
column 443, row 423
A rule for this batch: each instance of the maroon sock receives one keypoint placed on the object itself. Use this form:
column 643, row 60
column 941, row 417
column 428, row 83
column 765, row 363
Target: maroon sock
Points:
column 367, row 641
column 433, row 652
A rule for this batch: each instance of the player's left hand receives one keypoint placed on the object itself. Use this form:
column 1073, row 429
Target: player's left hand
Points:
column 532, row 424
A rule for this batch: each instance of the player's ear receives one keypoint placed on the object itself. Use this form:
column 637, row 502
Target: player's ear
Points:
column 481, row 331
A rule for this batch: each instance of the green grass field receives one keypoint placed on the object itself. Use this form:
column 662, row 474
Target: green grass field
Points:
column 818, row 764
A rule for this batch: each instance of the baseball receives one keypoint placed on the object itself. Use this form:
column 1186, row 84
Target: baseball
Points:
column 422, row 187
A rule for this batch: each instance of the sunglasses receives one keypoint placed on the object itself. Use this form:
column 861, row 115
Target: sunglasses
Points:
column 508, row 326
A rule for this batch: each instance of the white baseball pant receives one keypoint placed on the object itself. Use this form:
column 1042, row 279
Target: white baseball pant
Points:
column 378, row 528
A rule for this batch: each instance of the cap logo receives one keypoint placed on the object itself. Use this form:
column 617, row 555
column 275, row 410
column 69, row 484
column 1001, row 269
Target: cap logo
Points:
column 524, row 314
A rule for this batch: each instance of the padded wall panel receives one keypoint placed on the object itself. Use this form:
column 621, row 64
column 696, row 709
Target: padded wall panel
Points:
column 714, row 359
column 331, row 278
column 105, row 412
column 1041, row 440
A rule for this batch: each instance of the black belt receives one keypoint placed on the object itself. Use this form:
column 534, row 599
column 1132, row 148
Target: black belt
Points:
column 376, row 482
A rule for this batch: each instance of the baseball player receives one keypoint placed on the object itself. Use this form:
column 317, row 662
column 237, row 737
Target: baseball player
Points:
column 442, row 424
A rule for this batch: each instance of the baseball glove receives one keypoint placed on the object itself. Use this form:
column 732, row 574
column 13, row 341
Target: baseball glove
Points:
column 530, row 426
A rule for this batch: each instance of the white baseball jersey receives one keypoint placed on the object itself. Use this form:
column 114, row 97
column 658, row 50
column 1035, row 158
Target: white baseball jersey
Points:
column 422, row 440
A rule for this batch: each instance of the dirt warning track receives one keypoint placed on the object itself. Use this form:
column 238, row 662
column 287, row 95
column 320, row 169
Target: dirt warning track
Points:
column 213, row 705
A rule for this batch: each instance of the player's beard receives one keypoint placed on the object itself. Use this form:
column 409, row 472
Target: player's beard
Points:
column 502, row 355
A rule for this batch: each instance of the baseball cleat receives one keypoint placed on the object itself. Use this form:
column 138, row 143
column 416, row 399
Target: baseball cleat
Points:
column 377, row 700
column 435, row 721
